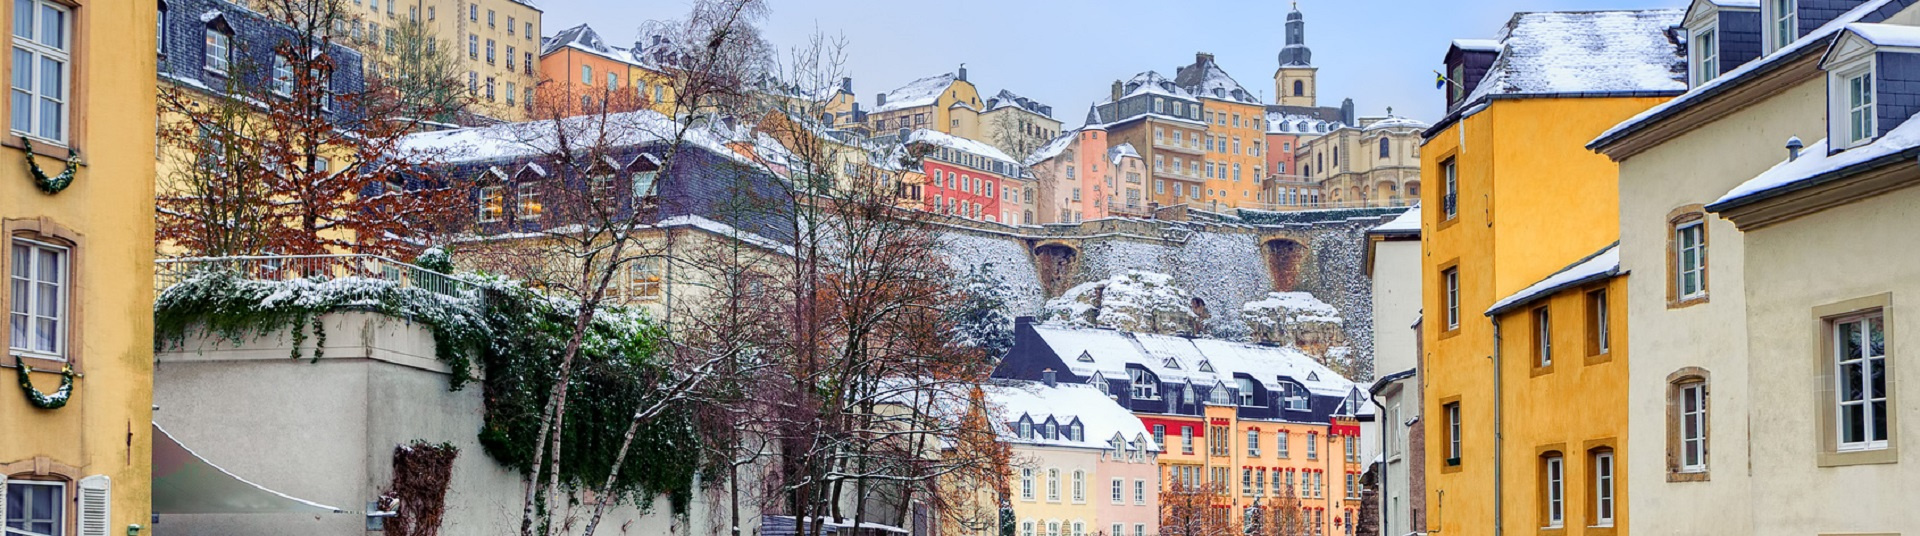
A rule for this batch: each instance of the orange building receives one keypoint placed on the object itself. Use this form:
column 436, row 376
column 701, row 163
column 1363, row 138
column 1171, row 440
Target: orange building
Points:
column 1236, row 136
column 581, row 73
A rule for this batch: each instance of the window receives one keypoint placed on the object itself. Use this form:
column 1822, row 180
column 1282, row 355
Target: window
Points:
column 1861, row 381
column 510, row 91
column 1139, row 491
column 492, row 203
column 489, row 18
column 509, row 24
column 35, row 508
column 1253, row 443
column 1144, row 386
column 586, row 74
column 1053, row 528
column 643, row 278
column 1353, row 448
column 489, row 51
column 41, row 281
column 1385, row 146
column 473, row 12
column 1026, row 528
column 1280, row 443
column 1451, row 173
column 1859, row 106
column 1246, row 481
column 1079, row 486
column 1186, row 439
column 528, row 197
column 1601, row 464
column 1452, row 411
column 219, row 50
column 1786, row 22
column 1313, row 445
column 1118, row 530
column 529, row 32
column 1692, row 416
column 1553, row 490
column 1026, row 481
column 473, row 47
column 282, row 76
column 643, row 183
column 1690, row 254
column 1706, row 55
column 1450, row 281
column 1160, row 435
column 1599, row 336
column 1542, row 339
column 1053, row 485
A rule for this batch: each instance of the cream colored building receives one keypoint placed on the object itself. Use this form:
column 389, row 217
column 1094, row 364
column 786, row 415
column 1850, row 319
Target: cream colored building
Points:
column 928, row 103
column 1735, row 298
column 496, row 41
column 1374, row 164
column 1393, row 267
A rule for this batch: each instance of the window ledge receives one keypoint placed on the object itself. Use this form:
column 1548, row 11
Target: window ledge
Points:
column 39, row 364
column 1860, row 457
column 41, row 147
column 1681, row 303
column 1687, row 476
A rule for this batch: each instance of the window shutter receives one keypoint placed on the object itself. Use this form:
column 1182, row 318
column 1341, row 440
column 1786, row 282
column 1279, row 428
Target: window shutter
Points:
column 96, row 503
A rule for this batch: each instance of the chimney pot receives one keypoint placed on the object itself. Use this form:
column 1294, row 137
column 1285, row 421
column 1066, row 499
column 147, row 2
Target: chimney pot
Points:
column 1793, row 148
column 1048, row 376
column 1116, row 91
column 1202, row 58
column 880, row 99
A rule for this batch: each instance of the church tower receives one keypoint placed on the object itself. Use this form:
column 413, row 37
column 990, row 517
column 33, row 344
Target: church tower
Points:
column 1293, row 82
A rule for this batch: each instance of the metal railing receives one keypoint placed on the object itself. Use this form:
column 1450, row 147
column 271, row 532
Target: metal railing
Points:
column 289, row 267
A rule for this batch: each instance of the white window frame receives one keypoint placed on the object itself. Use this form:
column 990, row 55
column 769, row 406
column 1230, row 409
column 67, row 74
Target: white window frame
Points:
column 1053, row 485
column 1119, row 491
column 1868, row 367
column 59, row 510
column 1253, row 443
column 1451, row 279
column 1858, row 121
column 1603, row 331
column 1703, row 52
column 1143, row 385
column 1556, row 475
column 1693, row 446
column 1543, row 336
column 38, row 53
column 62, row 286
column 1280, row 441
column 1776, row 16
column 489, row 214
column 1453, row 432
column 1696, row 230
column 526, row 201
column 1026, row 483
column 219, row 51
column 282, row 76
column 1603, row 490
column 1139, row 491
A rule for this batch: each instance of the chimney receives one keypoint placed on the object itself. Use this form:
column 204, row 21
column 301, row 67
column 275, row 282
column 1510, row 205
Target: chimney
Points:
column 1048, row 377
column 846, row 84
column 1116, row 91
column 1201, row 59
column 879, row 100
column 1023, row 320
column 1793, row 148
column 963, row 72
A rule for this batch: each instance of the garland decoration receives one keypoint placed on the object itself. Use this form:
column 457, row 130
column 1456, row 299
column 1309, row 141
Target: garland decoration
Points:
column 47, row 401
column 54, row 184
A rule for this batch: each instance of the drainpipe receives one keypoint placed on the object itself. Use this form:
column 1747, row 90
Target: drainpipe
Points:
column 1386, row 432
column 1498, row 438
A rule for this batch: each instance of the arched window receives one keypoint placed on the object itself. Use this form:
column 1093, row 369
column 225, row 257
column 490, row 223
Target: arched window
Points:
column 1385, row 146
column 1299, row 88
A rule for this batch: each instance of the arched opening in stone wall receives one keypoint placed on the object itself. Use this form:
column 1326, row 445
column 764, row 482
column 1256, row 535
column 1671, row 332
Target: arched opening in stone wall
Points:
column 1285, row 257
column 1055, row 264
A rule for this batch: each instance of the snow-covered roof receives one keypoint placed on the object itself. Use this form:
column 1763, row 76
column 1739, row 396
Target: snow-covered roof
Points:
column 722, row 229
column 1753, row 4
column 1178, row 359
column 1478, row 45
column 1397, row 122
column 1735, row 76
column 507, row 141
column 1575, row 52
column 959, row 144
column 1008, row 99
column 1408, row 222
column 1053, row 147
column 1152, row 83
column 1118, row 152
column 1886, row 35
column 1206, row 79
column 1285, row 123
column 1598, row 266
column 1815, row 164
column 1100, row 417
column 922, row 92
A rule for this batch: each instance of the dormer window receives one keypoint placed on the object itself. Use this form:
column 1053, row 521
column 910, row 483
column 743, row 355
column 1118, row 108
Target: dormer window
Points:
column 1075, row 432
column 282, row 76
column 1782, row 18
column 1053, row 430
column 1219, row 395
column 219, row 53
column 1171, row 363
column 1704, row 47
column 1246, row 392
column 1858, row 102
column 1852, row 65
column 1294, row 396
column 1144, row 385
column 1026, row 428
column 1206, row 366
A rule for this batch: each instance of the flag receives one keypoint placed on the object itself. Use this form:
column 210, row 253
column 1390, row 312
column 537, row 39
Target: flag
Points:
column 1439, row 80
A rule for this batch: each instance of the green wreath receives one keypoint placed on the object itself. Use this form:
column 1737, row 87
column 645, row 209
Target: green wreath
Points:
column 46, row 401
column 56, row 183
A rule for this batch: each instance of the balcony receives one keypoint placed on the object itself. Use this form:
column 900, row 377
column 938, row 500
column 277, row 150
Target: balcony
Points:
column 291, row 267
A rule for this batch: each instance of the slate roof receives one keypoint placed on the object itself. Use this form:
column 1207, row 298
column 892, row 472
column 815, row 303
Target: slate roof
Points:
column 1205, row 78
column 922, row 92
column 1587, row 52
column 255, row 38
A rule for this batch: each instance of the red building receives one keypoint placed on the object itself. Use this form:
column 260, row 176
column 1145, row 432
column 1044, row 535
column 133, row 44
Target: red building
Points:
column 965, row 178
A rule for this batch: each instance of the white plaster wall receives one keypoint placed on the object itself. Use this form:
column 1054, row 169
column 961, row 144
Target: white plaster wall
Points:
column 1696, row 168
column 1861, row 249
column 326, row 432
column 1396, row 305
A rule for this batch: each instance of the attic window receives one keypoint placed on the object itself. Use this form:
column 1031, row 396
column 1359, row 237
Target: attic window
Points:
column 1206, row 366
column 1172, row 364
column 1085, row 357
column 1853, row 107
column 1313, row 376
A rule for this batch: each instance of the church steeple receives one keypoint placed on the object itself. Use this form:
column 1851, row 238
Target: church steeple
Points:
column 1293, row 82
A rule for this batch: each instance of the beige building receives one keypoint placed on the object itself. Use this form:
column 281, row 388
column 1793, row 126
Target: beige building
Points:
column 1753, row 266
column 927, row 103
column 1011, row 123
column 497, row 41
column 1393, row 267
column 1374, row 164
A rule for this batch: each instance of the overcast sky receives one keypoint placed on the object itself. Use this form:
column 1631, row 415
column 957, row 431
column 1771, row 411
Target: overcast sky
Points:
column 1066, row 53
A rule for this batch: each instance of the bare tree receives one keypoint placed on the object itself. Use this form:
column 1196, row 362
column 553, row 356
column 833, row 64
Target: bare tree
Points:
column 1189, row 510
column 283, row 160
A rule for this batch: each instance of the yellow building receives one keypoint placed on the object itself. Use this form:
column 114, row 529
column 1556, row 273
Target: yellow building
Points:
column 1526, row 409
column 75, row 460
column 1236, row 137
column 576, row 64
column 496, row 41
column 926, row 103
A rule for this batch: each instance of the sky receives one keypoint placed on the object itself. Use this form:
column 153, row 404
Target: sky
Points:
column 1067, row 53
